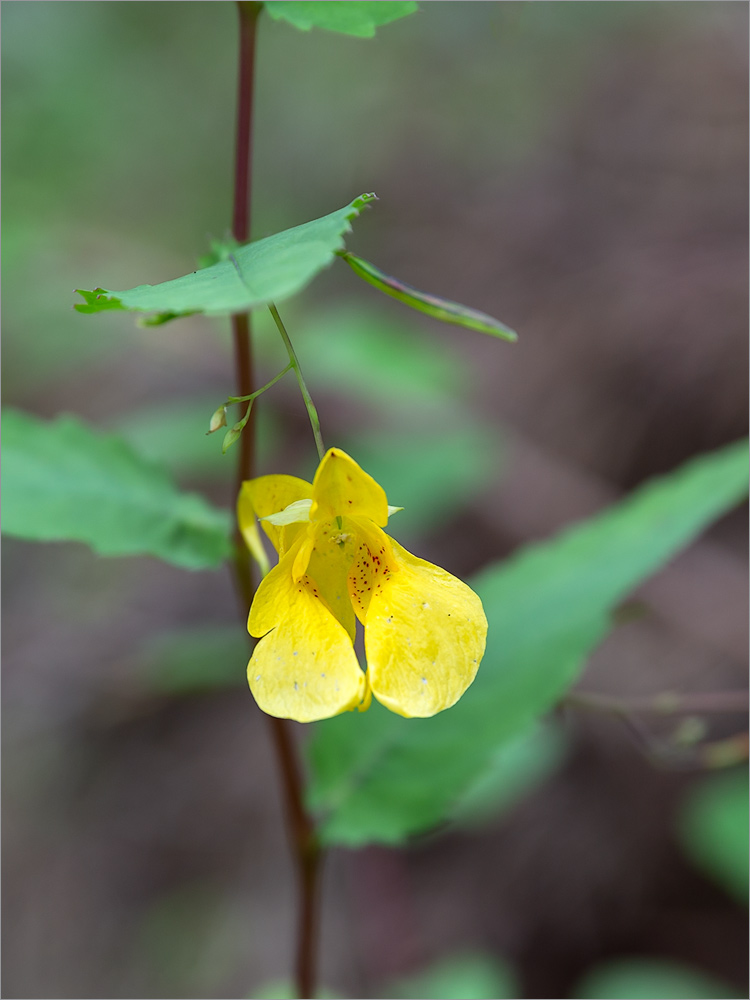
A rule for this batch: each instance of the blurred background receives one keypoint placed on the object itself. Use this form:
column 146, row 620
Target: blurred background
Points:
column 578, row 170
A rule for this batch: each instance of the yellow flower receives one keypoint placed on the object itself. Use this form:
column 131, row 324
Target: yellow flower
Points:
column 424, row 629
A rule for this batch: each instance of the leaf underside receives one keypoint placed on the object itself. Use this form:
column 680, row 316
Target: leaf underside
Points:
column 431, row 305
column 351, row 18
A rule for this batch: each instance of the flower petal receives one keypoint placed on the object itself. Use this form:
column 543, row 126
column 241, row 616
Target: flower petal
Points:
column 373, row 564
column 328, row 566
column 341, row 487
column 305, row 668
column 271, row 602
column 249, row 529
column 425, row 634
column 269, row 495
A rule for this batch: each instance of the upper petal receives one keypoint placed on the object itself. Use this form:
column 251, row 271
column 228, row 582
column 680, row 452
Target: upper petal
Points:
column 425, row 634
column 341, row 487
column 269, row 495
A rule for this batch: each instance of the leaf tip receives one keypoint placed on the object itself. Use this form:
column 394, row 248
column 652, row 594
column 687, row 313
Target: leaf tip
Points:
column 364, row 200
column 96, row 301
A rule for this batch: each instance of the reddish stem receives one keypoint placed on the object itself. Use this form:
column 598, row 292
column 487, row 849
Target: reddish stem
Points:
column 243, row 358
column 301, row 827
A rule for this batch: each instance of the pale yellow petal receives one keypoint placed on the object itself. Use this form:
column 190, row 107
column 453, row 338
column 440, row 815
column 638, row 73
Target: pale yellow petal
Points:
column 341, row 488
column 297, row 512
column 306, row 668
column 249, row 529
column 425, row 635
column 269, row 495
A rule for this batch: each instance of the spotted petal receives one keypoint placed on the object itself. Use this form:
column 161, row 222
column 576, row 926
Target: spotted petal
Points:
column 372, row 565
column 425, row 634
column 305, row 667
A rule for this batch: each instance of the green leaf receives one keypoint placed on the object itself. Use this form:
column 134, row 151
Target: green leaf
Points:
column 713, row 829
column 650, row 979
column 350, row 18
column 464, row 977
column 378, row 777
column 515, row 769
column 66, row 482
column 432, row 305
column 268, row 270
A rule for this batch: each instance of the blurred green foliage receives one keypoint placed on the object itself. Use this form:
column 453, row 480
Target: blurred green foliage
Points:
column 65, row 482
column 714, row 830
column 459, row 977
column 650, row 979
column 377, row 358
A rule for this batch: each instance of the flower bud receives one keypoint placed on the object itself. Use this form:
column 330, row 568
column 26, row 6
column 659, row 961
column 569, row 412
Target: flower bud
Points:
column 218, row 420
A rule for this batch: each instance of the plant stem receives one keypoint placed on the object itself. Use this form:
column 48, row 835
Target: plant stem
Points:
column 294, row 361
column 258, row 392
column 243, row 358
column 301, row 827
column 308, row 856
